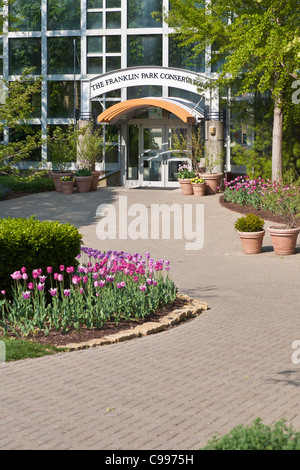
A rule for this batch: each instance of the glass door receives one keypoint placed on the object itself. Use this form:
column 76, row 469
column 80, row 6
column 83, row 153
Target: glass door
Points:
column 152, row 171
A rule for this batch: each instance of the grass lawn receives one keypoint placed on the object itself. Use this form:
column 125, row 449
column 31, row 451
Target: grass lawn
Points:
column 22, row 349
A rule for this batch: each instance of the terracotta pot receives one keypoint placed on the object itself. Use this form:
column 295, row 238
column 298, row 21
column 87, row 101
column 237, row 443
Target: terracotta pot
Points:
column 56, row 175
column 284, row 239
column 95, row 180
column 186, row 187
column 83, row 183
column 199, row 189
column 252, row 242
column 213, row 182
column 67, row 187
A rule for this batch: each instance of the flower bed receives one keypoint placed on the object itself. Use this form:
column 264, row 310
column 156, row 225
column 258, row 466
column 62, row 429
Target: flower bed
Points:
column 111, row 286
column 274, row 197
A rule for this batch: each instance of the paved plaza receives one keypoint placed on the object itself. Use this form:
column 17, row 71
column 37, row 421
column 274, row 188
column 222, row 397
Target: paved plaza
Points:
column 174, row 389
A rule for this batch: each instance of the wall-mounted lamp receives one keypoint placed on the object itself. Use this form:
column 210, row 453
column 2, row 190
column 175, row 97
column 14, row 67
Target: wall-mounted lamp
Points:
column 212, row 130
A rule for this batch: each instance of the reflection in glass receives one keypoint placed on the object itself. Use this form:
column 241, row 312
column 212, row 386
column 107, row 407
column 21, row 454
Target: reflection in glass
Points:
column 113, row 63
column 133, row 152
column 94, row 44
column 95, row 4
column 183, row 57
column 140, row 13
column 24, row 53
column 61, row 55
column 144, row 50
column 94, row 65
column 113, row 43
column 23, row 18
column 113, row 19
column 61, row 99
column 94, row 21
column 63, row 14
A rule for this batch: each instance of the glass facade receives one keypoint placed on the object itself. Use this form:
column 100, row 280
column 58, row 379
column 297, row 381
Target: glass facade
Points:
column 109, row 35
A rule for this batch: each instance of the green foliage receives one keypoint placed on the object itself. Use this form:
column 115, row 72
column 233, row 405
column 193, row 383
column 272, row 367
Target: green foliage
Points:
column 257, row 437
column 249, row 223
column 62, row 147
column 15, row 109
column 32, row 243
column 27, row 184
column 4, row 190
column 83, row 172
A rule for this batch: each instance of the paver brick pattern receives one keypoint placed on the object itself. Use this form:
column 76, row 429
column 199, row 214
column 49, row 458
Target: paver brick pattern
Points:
column 171, row 390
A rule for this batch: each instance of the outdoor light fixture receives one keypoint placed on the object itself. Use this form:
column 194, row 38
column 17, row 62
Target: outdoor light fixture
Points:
column 212, row 130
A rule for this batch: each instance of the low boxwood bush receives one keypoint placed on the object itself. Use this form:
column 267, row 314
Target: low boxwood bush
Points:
column 249, row 223
column 35, row 244
column 257, row 436
column 27, row 185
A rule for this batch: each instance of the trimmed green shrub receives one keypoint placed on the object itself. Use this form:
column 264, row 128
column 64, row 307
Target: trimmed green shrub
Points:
column 36, row 185
column 249, row 223
column 35, row 244
column 258, row 436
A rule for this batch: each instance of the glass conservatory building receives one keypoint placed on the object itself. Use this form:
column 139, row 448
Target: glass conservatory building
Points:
column 112, row 62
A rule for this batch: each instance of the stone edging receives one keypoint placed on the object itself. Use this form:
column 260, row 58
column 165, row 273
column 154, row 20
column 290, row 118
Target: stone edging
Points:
column 193, row 308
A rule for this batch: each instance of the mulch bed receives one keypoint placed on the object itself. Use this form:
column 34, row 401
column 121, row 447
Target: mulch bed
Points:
column 57, row 338
column 250, row 209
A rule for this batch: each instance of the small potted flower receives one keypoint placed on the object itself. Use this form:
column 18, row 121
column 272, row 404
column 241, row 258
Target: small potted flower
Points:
column 83, row 180
column 198, row 185
column 185, row 176
column 251, row 232
column 67, row 184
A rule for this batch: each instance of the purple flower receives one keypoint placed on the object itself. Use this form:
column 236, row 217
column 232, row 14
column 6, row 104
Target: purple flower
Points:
column 16, row 275
column 53, row 292
column 25, row 276
column 67, row 292
column 42, row 278
column 49, row 270
column 142, row 287
column 23, row 270
column 70, row 269
column 101, row 283
column 40, row 286
column 61, row 268
column 30, row 285
column 3, row 292
column 60, row 277
column 26, row 294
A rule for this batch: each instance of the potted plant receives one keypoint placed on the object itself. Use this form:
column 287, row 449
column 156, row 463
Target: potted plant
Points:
column 286, row 201
column 62, row 152
column 212, row 175
column 198, row 185
column 67, row 184
column 83, row 180
column 185, row 176
column 90, row 147
column 251, row 232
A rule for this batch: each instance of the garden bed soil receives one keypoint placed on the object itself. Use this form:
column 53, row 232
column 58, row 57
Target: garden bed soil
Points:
column 58, row 339
column 250, row 209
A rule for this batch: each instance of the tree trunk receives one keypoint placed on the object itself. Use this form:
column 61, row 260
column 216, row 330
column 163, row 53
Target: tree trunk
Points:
column 277, row 141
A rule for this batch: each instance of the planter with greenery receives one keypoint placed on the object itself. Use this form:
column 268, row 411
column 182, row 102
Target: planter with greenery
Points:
column 251, row 232
column 185, row 176
column 199, row 185
column 62, row 152
column 67, row 184
column 83, row 180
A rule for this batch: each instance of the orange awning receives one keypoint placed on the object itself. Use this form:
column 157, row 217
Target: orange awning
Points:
column 112, row 114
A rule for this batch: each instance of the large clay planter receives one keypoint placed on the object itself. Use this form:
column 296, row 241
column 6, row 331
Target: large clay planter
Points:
column 199, row 189
column 213, row 182
column 67, row 187
column 284, row 239
column 252, row 242
column 56, row 175
column 186, row 186
column 83, row 183
column 95, row 180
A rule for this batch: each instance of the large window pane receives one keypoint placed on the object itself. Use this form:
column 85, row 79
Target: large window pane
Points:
column 61, row 99
column 94, row 3
column 183, row 57
column 113, row 3
column 144, row 50
column 94, row 44
column 140, row 13
column 94, row 21
column 24, row 53
column 61, row 55
column 63, row 14
column 24, row 17
column 143, row 91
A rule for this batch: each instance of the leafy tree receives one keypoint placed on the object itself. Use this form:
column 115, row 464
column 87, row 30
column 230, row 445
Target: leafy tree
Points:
column 253, row 42
column 16, row 108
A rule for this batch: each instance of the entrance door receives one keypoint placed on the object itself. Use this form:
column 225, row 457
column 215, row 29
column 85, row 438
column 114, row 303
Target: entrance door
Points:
column 151, row 163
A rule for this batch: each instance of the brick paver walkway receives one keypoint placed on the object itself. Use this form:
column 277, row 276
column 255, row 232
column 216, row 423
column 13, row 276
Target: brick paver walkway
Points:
column 172, row 390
